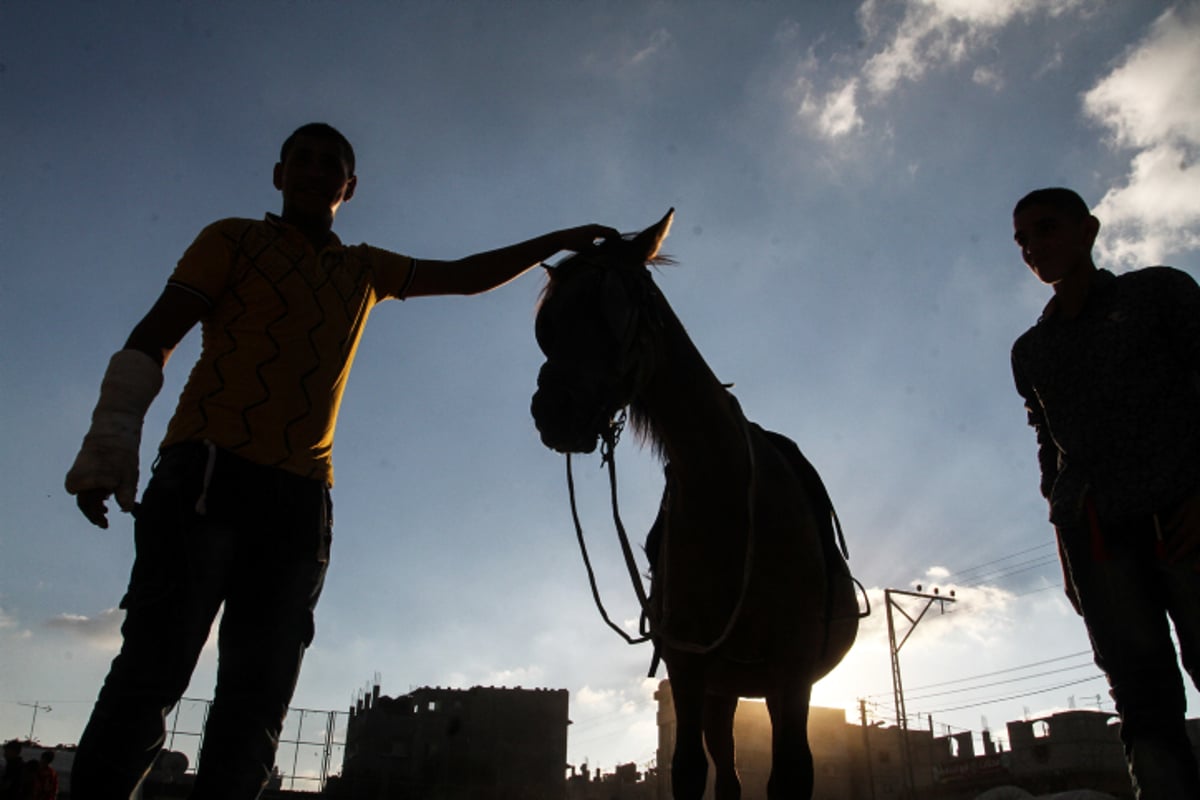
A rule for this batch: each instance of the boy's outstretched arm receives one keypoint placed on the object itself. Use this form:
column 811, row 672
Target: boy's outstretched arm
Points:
column 107, row 463
column 485, row 271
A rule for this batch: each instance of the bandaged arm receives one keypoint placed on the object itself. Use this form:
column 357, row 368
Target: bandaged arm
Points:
column 108, row 459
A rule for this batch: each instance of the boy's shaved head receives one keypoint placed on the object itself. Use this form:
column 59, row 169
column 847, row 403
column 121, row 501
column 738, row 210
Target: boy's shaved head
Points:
column 1056, row 197
column 323, row 130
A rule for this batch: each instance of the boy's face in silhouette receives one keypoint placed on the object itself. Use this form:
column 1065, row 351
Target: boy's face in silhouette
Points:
column 314, row 178
column 1055, row 243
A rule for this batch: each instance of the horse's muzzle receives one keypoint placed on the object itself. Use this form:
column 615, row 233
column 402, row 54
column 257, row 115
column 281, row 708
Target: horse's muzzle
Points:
column 565, row 419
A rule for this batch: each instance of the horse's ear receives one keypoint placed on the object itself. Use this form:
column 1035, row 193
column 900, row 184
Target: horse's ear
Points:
column 647, row 243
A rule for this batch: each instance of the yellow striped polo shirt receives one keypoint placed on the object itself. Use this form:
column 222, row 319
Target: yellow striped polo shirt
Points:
column 278, row 340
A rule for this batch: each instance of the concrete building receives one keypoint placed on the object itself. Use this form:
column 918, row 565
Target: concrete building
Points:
column 457, row 744
column 626, row 782
column 1064, row 751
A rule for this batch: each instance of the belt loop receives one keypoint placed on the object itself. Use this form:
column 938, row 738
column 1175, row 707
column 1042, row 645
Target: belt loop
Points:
column 210, row 464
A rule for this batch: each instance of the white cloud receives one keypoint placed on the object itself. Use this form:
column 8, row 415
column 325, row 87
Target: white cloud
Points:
column 658, row 40
column 629, row 54
column 102, row 630
column 1156, row 214
column 988, row 77
column 833, row 114
column 521, row 676
column 906, row 40
column 840, row 113
column 1151, row 102
column 932, row 33
column 599, row 699
column 1154, row 96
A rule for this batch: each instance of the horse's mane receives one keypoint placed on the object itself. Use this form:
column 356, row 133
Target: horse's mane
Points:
column 639, row 418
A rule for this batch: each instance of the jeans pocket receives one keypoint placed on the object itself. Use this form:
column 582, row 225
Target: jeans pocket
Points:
column 162, row 522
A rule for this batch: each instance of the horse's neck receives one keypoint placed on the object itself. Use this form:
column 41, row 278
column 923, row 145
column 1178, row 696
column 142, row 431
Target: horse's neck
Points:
column 695, row 418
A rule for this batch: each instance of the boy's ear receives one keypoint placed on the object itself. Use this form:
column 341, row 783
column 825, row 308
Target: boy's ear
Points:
column 277, row 176
column 351, row 185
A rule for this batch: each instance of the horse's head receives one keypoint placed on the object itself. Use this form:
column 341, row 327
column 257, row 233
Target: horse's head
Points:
column 594, row 326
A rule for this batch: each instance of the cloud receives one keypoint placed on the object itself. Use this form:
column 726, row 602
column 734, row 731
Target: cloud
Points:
column 658, row 40
column 932, row 33
column 907, row 40
column 630, row 54
column 834, row 114
column 102, row 631
column 988, row 77
column 521, row 676
column 598, row 699
column 1151, row 104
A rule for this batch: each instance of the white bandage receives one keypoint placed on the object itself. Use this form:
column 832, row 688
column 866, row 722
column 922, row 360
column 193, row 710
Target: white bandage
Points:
column 108, row 458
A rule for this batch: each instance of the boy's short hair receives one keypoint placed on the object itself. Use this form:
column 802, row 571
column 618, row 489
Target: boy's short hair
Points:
column 1056, row 197
column 324, row 130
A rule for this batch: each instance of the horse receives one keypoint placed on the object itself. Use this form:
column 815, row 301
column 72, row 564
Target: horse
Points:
column 750, row 594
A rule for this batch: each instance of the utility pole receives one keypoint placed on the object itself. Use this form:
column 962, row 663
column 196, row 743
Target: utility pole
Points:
column 862, row 716
column 36, row 707
column 894, row 646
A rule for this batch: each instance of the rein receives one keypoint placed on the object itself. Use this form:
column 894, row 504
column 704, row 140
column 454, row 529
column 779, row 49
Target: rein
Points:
column 608, row 455
column 610, row 437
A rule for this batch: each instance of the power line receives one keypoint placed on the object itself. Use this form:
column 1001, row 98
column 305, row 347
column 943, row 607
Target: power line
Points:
column 1001, row 683
column 1014, row 696
column 1002, row 558
column 965, row 573
column 992, row 674
column 1015, row 569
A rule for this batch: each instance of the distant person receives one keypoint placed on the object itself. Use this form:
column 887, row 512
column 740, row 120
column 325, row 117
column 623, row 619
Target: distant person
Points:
column 1110, row 375
column 14, row 771
column 45, row 778
column 238, row 511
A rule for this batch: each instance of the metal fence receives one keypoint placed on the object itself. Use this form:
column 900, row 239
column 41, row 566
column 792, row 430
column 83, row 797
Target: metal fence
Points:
column 311, row 745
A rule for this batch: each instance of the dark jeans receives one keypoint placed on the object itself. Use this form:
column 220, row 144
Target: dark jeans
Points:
column 1127, row 591
column 260, row 547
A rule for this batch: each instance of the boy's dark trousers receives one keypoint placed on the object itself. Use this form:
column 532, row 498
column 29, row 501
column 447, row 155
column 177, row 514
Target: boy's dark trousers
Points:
column 1129, row 592
column 211, row 529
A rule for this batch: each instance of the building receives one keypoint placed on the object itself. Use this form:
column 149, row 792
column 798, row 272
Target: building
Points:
column 457, row 744
column 1068, row 750
column 626, row 782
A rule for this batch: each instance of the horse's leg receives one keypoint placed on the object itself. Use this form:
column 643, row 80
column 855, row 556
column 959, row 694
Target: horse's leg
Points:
column 791, row 759
column 689, row 765
column 718, row 736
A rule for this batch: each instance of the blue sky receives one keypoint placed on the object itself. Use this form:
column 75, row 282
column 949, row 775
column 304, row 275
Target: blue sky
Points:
column 843, row 176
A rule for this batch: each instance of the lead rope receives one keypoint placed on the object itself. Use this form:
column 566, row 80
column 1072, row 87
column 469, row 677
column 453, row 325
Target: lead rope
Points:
column 607, row 452
column 610, row 440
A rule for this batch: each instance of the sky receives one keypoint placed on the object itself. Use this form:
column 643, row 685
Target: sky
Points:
column 843, row 176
